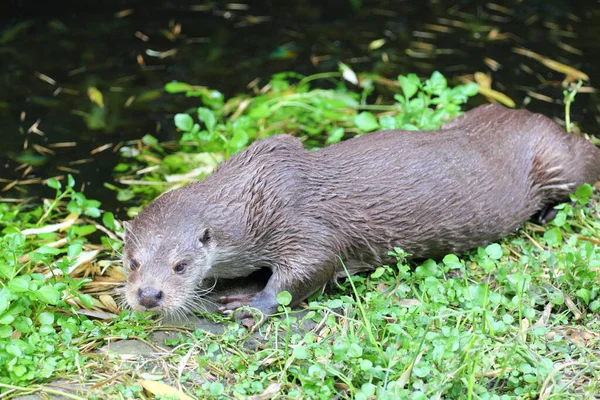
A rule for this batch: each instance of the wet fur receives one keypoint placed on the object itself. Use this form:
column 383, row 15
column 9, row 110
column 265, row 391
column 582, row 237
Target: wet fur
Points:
column 279, row 206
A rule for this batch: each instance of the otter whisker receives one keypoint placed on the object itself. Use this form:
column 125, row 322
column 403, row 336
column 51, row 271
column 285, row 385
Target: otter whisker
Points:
column 118, row 252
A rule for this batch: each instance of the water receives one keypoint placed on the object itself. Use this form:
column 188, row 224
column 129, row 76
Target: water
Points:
column 113, row 46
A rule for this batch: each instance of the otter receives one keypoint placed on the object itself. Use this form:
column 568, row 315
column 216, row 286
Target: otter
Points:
column 302, row 213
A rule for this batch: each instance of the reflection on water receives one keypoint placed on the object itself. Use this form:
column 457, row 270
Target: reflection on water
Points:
column 52, row 56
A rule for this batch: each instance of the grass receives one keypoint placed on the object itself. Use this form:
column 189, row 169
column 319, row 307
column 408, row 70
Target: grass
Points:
column 517, row 319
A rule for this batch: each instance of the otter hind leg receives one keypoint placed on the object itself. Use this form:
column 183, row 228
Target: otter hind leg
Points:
column 547, row 213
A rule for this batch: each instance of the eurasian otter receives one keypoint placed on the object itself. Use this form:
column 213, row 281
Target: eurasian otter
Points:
column 276, row 205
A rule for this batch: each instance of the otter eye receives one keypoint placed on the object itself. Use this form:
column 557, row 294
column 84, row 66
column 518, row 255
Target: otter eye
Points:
column 180, row 268
column 134, row 265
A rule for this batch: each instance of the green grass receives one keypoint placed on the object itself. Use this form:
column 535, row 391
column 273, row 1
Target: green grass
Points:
column 517, row 319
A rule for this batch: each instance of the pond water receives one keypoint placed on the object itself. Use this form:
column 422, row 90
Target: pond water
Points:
column 128, row 50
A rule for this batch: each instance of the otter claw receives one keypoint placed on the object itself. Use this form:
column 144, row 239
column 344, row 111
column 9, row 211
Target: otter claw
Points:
column 245, row 298
column 263, row 301
column 234, row 302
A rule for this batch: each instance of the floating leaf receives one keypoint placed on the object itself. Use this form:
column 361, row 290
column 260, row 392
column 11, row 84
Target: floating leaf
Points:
column 498, row 96
column 177, row 87
column 11, row 32
column 148, row 95
column 348, row 74
column 96, row 96
column 483, row 79
column 554, row 65
column 376, row 44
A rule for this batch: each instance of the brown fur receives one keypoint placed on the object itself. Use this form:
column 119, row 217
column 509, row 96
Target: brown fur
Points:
column 276, row 205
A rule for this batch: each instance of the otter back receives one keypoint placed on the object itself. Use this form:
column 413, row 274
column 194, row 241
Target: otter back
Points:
column 276, row 205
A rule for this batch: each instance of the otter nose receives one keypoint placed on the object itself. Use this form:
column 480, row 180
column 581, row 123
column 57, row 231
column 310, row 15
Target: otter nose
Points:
column 149, row 297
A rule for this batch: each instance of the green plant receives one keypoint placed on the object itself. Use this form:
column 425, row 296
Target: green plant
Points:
column 516, row 319
column 569, row 95
column 37, row 294
column 287, row 104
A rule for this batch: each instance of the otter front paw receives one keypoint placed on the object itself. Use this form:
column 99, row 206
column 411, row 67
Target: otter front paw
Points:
column 246, row 318
column 233, row 302
column 264, row 301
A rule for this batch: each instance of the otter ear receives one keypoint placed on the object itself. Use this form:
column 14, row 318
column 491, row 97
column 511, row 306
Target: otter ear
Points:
column 205, row 237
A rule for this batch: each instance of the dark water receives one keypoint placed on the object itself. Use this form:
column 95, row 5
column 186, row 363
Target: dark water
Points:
column 226, row 45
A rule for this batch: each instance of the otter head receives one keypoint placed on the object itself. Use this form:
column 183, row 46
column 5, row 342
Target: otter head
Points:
column 165, row 260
